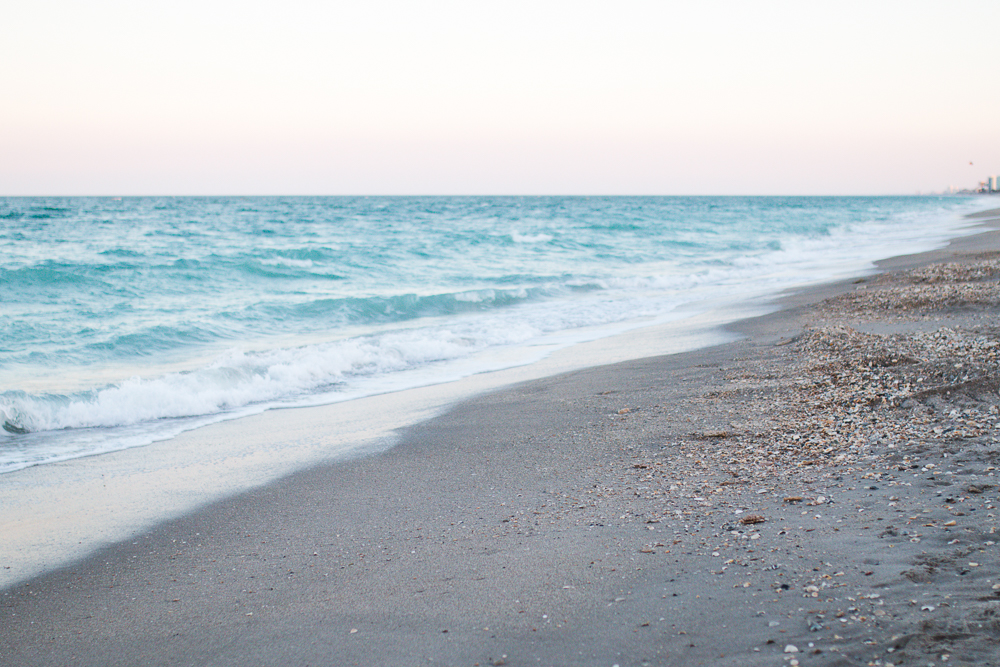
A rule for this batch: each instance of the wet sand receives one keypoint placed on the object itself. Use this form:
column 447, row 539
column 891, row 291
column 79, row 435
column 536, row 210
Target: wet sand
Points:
column 821, row 492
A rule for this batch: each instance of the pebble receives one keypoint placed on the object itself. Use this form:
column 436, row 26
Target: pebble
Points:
column 837, row 403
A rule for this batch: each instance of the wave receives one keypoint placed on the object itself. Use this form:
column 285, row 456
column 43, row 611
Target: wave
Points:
column 238, row 379
column 355, row 311
column 517, row 237
column 474, row 321
column 44, row 274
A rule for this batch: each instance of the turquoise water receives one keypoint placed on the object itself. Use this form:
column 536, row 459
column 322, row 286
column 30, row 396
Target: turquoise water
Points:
column 126, row 321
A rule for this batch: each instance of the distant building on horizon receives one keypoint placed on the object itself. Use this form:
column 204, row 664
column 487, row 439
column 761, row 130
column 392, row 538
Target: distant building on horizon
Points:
column 989, row 186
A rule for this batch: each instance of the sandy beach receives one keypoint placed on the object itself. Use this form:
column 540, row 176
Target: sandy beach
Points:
column 822, row 491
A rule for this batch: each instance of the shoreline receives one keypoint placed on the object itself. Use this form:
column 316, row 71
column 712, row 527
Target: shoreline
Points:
column 61, row 512
column 511, row 511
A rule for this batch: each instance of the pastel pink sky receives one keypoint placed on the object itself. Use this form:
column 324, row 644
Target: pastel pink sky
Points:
column 544, row 97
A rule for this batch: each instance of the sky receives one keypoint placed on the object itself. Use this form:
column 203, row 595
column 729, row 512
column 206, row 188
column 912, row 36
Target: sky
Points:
column 117, row 97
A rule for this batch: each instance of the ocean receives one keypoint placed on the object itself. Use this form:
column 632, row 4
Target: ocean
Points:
column 125, row 321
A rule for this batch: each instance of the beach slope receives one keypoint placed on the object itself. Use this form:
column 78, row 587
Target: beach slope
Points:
column 823, row 491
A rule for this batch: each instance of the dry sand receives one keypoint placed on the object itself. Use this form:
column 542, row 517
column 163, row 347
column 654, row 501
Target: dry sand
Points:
column 822, row 492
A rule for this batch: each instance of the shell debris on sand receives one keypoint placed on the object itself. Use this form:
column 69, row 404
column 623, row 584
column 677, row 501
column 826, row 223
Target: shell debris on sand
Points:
column 839, row 407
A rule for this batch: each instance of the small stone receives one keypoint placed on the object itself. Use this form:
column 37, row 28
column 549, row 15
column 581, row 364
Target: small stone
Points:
column 791, row 648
